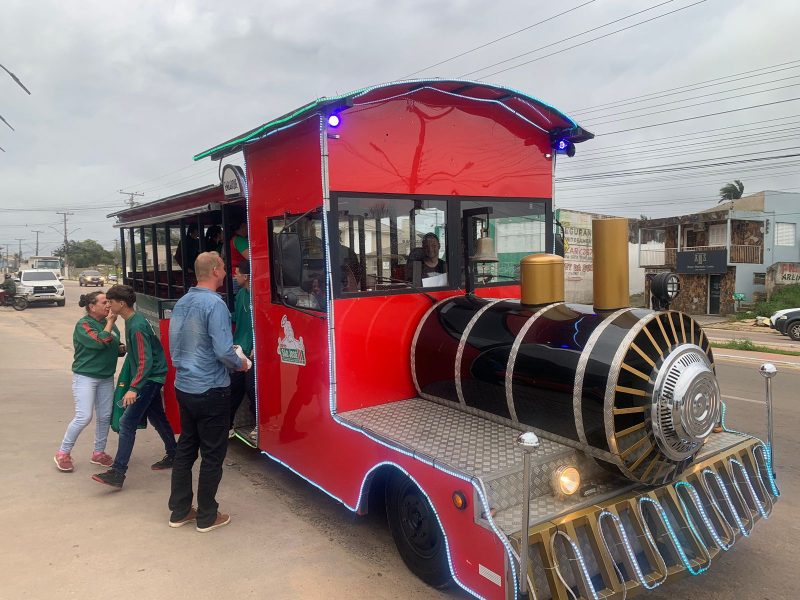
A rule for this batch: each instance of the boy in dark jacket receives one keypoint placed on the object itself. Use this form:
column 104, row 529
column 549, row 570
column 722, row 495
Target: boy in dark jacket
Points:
column 148, row 368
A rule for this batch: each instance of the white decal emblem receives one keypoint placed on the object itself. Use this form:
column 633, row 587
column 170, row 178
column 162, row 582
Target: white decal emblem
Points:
column 291, row 349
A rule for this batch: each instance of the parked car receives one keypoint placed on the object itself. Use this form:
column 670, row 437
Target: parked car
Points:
column 773, row 320
column 88, row 278
column 788, row 323
column 41, row 286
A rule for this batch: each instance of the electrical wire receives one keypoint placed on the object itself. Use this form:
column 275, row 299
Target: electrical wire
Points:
column 723, row 112
column 694, row 87
column 591, row 40
column 494, row 41
column 666, row 110
column 491, row 66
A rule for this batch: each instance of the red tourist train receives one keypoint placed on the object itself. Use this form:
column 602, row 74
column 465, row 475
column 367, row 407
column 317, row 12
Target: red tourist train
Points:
column 412, row 342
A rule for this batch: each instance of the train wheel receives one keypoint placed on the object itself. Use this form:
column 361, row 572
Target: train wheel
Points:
column 20, row 303
column 416, row 531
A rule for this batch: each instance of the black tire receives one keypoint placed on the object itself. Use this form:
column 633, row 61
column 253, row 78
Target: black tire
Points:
column 416, row 531
column 20, row 303
column 61, row 303
column 793, row 330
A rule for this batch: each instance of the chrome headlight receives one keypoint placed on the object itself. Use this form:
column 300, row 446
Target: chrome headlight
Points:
column 566, row 480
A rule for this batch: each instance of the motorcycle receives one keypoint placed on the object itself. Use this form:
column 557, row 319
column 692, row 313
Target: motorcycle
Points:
column 18, row 302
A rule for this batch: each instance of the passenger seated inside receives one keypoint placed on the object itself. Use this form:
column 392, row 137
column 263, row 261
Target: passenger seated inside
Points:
column 424, row 267
column 192, row 248
column 213, row 241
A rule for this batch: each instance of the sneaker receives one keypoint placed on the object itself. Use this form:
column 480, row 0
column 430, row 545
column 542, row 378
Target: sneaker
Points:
column 102, row 459
column 111, row 477
column 231, row 433
column 190, row 516
column 164, row 463
column 64, row 462
column 221, row 520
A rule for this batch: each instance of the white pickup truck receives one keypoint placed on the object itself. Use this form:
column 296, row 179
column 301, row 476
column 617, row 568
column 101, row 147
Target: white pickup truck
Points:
column 41, row 286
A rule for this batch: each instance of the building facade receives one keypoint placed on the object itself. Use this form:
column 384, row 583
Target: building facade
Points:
column 723, row 254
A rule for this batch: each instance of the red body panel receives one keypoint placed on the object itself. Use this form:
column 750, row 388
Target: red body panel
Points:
column 397, row 147
column 170, row 400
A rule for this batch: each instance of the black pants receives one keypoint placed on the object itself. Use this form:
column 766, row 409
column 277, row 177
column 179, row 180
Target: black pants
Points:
column 204, row 427
column 243, row 382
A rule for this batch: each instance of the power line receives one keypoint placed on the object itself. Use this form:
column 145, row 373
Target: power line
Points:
column 587, row 41
column 666, row 110
column 494, row 41
column 694, row 86
column 651, row 142
column 563, row 40
column 724, row 112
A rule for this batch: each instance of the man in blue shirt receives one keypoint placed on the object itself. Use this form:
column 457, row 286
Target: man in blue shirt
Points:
column 202, row 351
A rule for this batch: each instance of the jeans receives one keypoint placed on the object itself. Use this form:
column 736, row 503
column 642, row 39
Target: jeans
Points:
column 90, row 392
column 204, row 427
column 148, row 402
column 243, row 382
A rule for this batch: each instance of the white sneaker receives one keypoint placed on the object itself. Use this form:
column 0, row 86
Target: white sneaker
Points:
column 231, row 433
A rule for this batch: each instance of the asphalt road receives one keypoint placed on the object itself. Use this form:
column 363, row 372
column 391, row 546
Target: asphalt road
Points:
column 64, row 535
column 766, row 337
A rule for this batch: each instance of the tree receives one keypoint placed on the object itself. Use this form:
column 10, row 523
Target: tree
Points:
column 731, row 191
column 87, row 253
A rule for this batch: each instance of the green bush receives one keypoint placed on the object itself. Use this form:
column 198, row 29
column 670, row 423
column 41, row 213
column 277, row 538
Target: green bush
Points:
column 786, row 297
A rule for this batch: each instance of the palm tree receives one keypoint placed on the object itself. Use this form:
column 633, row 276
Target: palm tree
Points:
column 731, row 191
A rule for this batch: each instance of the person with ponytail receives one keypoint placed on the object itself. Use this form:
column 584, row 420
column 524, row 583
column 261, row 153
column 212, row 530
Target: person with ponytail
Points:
column 97, row 347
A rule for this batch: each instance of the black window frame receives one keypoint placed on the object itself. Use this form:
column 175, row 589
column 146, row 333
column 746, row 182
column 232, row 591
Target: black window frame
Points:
column 454, row 258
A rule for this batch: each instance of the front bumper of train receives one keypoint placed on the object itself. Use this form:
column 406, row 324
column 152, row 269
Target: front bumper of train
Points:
column 642, row 539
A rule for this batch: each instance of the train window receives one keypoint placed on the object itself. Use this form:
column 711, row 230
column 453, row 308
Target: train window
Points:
column 298, row 261
column 389, row 243
column 517, row 227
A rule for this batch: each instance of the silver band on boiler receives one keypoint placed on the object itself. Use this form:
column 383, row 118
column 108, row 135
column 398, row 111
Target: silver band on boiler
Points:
column 611, row 384
column 463, row 342
column 420, row 325
column 580, row 371
column 512, row 359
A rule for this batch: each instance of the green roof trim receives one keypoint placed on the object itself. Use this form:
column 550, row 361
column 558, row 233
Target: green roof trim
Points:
column 232, row 145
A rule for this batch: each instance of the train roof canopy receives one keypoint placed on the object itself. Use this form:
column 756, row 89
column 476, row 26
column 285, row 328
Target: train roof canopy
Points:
column 539, row 114
column 185, row 204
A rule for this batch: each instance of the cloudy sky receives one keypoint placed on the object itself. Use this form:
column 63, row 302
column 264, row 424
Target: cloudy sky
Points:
column 124, row 93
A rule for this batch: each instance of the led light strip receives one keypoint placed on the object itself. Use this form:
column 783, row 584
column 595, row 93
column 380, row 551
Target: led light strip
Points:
column 581, row 562
column 623, row 536
column 756, row 502
column 698, row 505
column 765, row 449
column 745, row 531
column 252, row 312
column 673, row 536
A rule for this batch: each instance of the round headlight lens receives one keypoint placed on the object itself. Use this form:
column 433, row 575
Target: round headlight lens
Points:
column 566, row 481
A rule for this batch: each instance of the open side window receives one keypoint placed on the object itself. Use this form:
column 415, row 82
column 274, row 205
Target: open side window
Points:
column 298, row 261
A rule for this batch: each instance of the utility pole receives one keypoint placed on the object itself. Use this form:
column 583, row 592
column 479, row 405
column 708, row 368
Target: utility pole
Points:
column 66, row 243
column 131, row 202
column 19, row 253
column 37, row 232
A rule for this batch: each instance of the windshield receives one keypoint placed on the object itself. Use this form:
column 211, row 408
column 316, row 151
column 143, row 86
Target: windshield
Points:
column 38, row 276
column 518, row 228
column 49, row 264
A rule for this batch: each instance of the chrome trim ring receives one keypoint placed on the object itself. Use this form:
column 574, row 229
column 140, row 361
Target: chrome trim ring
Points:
column 611, row 384
column 463, row 343
column 580, row 371
column 512, row 358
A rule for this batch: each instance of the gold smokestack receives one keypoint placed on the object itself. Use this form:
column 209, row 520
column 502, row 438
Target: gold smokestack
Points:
column 610, row 258
column 542, row 279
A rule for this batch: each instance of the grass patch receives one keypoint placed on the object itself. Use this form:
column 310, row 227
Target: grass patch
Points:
column 786, row 297
column 749, row 346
